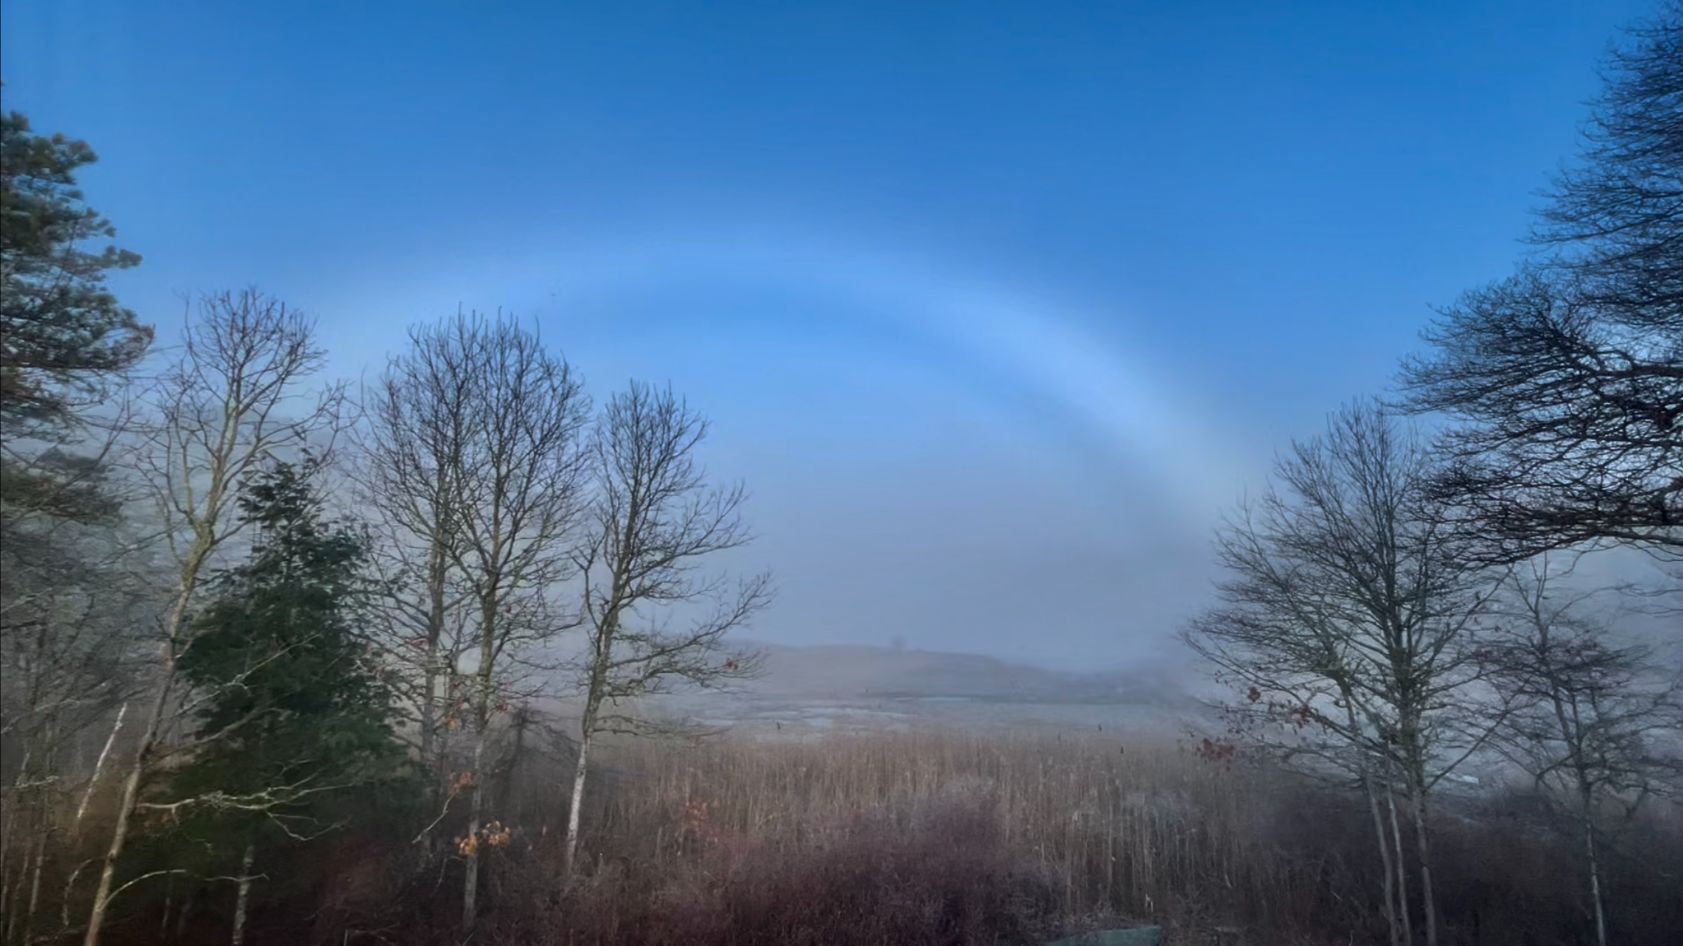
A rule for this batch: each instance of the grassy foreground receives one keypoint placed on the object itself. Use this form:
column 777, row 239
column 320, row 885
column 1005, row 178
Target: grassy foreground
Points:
column 958, row 837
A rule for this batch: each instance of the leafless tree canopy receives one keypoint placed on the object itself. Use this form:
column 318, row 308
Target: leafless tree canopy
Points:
column 1617, row 217
column 1590, row 715
column 1346, row 617
column 236, row 396
column 1567, row 379
column 1595, row 723
column 656, row 522
column 1573, row 422
column 478, row 436
column 417, row 425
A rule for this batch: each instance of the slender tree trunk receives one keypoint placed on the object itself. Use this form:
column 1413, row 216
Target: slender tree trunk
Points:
column 9, row 899
column 65, row 898
column 1593, row 853
column 31, row 826
column 185, row 913
column 470, row 874
column 125, row 813
column 1572, row 732
column 1390, row 883
column 1403, row 910
column 148, row 741
column 482, row 715
column 28, row 926
column 99, row 767
column 436, row 566
column 1366, row 771
column 243, row 897
column 11, row 817
column 6, row 896
column 429, row 725
column 505, row 784
column 6, row 908
column 1422, row 837
column 602, row 650
column 169, row 906
column 576, row 809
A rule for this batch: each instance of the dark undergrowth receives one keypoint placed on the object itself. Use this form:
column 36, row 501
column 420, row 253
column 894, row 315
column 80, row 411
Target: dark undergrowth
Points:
column 940, row 839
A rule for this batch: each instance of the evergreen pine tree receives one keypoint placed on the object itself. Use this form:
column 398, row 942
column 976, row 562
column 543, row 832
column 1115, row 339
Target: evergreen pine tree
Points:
column 296, row 718
column 63, row 335
column 61, row 330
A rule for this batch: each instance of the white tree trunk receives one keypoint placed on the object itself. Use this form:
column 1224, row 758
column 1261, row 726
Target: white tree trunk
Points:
column 185, row 913
column 482, row 715
column 148, row 737
column 1422, row 834
column 169, row 907
column 131, row 793
column 1392, row 923
column 430, row 673
column 1401, row 866
column 243, row 897
column 99, row 767
column 576, row 809
column 1365, row 767
column 470, row 875
column 28, row 926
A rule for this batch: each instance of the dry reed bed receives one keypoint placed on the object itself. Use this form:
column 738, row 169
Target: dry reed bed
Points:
column 1143, row 830
column 972, row 837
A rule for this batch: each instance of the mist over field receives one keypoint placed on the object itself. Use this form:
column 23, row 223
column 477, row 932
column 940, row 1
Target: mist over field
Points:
column 825, row 473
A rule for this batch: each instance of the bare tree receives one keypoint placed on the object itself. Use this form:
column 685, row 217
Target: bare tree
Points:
column 68, row 656
column 1572, row 427
column 1595, row 724
column 72, row 584
column 1347, row 613
column 498, row 490
column 235, row 396
column 656, row 520
column 1615, row 218
column 417, row 426
column 70, row 589
column 1567, row 379
column 1281, row 640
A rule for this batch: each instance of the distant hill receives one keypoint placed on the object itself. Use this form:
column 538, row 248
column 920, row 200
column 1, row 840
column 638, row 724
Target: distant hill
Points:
column 853, row 671
column 831, row 688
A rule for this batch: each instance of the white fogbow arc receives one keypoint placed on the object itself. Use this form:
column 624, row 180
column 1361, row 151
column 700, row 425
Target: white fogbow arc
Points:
column 1046, row 346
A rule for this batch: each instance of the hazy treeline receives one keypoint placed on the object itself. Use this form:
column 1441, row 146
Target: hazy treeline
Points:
column 248, row 609
column 281, row 658
column 1397, row 604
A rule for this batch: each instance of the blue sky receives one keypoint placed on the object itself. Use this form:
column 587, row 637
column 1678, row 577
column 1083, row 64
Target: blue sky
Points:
column 994, row 305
